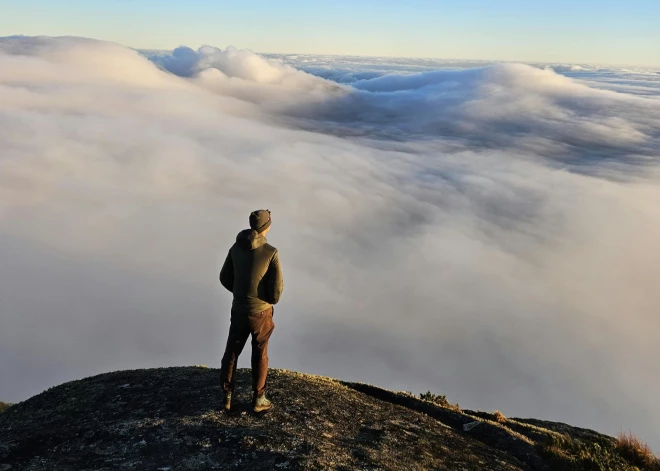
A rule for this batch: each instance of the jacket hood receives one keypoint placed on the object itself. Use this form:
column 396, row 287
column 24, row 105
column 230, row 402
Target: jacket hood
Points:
column 249, row 239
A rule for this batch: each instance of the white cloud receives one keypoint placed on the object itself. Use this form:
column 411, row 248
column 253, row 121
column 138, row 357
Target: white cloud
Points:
column 489, row 233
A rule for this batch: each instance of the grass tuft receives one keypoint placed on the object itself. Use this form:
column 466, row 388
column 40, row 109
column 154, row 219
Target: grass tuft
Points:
column 439, row 400
column 565, row 453
column 636, row 452
column 499, row 417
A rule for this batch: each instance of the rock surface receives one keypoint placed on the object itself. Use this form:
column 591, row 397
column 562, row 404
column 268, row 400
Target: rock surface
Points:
column 170, row 419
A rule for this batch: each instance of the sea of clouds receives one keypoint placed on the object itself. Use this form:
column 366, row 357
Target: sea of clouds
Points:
column 486, row 231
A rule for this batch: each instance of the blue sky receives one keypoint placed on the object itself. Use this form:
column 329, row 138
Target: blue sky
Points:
column 604, row 31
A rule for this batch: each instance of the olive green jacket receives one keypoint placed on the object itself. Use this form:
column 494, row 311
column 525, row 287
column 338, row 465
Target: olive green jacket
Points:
column 252, row 273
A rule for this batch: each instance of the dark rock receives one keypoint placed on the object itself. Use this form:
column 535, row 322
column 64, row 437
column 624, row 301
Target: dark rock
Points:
column 171, row 419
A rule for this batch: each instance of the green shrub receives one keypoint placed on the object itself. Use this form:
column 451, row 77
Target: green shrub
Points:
column 4, row 406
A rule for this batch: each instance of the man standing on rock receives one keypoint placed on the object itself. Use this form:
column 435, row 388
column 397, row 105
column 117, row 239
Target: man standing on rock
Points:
column 252, row 273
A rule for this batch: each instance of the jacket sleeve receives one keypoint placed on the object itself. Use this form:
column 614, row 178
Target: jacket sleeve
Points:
column 227, row 273
column 275, row 280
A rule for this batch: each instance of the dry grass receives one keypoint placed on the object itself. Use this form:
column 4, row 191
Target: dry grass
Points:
column 439, row 400
column 4, row 406
column 499, row 417
column 636, row 452
column 565, row 453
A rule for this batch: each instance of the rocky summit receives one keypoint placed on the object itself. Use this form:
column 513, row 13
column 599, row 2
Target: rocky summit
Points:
column 171, row 419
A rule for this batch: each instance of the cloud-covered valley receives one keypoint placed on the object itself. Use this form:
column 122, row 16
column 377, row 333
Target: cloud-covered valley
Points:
column 485, row 231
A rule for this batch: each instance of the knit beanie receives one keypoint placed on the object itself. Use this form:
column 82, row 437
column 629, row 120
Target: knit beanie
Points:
column 260, row 220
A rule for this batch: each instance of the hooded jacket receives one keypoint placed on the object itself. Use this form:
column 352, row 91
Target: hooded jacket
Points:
column 252, row 273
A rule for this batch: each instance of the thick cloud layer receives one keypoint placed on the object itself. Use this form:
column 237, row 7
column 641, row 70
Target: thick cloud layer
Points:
column 486, row 232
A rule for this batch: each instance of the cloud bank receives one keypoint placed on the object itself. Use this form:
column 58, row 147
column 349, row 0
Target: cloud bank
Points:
column 487, row 232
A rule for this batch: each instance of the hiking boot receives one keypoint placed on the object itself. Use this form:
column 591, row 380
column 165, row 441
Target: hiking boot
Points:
column 227, row 401
column 261, row 403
